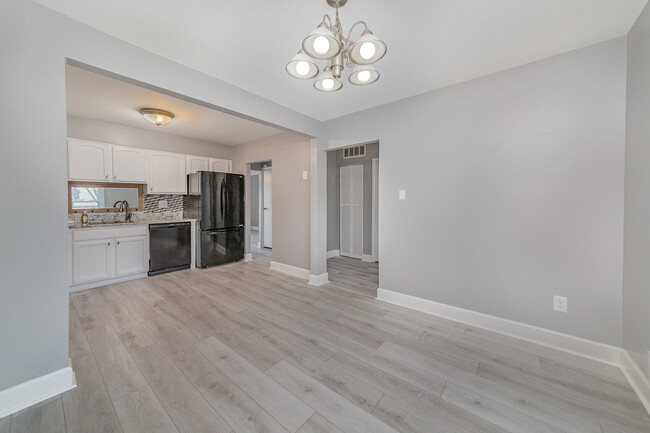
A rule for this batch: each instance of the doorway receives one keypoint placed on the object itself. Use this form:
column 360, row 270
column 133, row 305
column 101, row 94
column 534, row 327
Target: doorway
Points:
column 261, row 209
column 353, row 218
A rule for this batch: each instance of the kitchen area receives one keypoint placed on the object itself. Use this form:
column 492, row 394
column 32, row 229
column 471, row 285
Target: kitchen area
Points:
column 150, row 190
column 144, row 220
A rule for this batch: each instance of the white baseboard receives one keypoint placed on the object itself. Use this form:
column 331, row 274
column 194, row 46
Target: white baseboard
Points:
column 255, row 228
column 545, row 337
column 367, row 258
column 638, row 380
column 248, row 257
column 333, row 253
column 318, row 280
column 605, row 353
column 290, row 270
column 34, row 391
column 94, row 284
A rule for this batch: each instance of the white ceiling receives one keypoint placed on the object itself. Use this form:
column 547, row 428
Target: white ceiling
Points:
column 431, row 43
column 97, row 97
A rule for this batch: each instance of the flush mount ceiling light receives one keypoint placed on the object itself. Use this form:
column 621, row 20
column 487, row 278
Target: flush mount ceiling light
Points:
column 328, row 43
column 157, row 117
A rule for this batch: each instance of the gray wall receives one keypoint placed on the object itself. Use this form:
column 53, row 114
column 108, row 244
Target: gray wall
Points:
column 88, row 129
column 290, row 155
column 335, row 161
column 514, row 186
column 255, row 200
column 34, row 44
column 636, row 276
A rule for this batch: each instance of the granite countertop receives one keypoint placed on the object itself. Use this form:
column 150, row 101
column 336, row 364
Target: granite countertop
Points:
column 131, row 223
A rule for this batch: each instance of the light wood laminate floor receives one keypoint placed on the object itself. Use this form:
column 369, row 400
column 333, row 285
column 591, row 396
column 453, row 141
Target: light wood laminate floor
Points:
column 354, row 274
column 242, row 348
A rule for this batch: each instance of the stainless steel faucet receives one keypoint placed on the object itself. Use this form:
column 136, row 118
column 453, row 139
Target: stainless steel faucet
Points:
column 124, row 206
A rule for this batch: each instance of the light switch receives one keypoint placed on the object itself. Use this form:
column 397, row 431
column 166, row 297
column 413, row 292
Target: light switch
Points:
column 402, row 194
column 304, row 175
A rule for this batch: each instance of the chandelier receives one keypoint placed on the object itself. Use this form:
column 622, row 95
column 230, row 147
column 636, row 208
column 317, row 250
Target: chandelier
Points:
column 328, row 43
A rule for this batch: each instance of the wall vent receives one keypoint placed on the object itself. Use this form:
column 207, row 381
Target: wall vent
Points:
column 354, row 152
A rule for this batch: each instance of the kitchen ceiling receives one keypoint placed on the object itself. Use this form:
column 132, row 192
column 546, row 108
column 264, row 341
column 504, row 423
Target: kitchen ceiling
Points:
column 97, row 97
column 431, row 44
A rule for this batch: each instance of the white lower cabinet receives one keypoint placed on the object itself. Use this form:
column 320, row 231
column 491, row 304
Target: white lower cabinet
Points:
column 92, row 260
column 131, row 255
column 101, row 255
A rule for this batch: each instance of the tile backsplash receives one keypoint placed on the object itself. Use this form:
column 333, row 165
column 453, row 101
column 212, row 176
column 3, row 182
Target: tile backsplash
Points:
column 152, row 210
column 151, row 203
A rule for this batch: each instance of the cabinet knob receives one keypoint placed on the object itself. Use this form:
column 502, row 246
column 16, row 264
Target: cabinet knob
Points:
column 106, row 176
column 114, row 176
column 109, row 244
column 118, row 242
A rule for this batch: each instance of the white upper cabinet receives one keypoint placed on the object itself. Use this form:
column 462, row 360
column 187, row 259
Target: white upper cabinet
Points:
column 196, row 163
column 167, row 173
column 129, row 164
column 89, row 160
column 221, row 165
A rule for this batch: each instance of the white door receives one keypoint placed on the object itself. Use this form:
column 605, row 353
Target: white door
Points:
column 267, row 232
column 221, row 165
column 375, row 209
column 92, row 260
column 196, row 163
column 128, row 164
column 167, row 173
column 131, row 255
column 351, row 211
column 88, row 160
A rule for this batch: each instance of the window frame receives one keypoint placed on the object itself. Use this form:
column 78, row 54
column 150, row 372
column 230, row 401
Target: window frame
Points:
column 82, row 184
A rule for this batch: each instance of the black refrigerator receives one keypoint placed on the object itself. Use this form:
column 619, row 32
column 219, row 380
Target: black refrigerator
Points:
column 216, row 200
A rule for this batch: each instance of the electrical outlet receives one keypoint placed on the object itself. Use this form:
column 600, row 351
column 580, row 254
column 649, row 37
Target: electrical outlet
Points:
column 304, row 175
column 162, row 204
column 560, row 303
column 402, row 194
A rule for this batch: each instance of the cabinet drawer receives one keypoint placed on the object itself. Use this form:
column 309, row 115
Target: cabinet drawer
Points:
column 109, row 232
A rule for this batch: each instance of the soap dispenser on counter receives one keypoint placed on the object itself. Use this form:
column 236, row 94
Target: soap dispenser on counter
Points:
column 84, row 219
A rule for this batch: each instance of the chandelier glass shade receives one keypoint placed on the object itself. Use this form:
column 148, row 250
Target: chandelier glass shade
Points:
column 328, row 43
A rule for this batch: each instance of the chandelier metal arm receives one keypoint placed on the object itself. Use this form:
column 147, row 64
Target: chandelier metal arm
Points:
column 348, row 40
column 327, row 17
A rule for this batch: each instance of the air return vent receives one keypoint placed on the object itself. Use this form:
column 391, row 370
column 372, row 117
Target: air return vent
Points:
column 354, row 152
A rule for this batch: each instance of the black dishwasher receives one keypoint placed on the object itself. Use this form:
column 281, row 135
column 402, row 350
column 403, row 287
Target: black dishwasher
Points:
column 170, row 247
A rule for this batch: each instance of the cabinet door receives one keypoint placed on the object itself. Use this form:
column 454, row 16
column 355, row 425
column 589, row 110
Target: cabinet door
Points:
column 128, row 164
column 88, row 160
column 131, row 255
column 221, row 165
column 92, row 260
column 167, row 173
column 196, row 163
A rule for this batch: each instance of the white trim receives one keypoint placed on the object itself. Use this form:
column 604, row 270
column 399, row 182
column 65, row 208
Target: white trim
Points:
column 333, row 253
column 259, row 245
column 99, row 283
column 290, row 270
column 375, row 210
column 255, row 228
column 318, row 280
column 637, row 379
column 545, row 337
column 367, row 258
column 248, row 257
column 605, row 353
column 34, row 391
